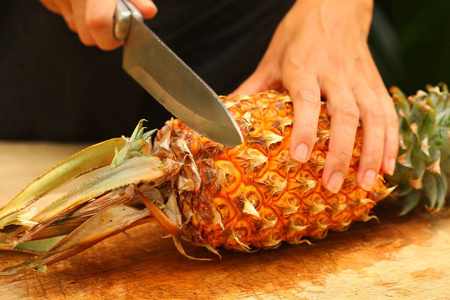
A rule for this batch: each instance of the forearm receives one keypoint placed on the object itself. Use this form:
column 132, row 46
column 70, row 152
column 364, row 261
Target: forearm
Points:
column 334, row 13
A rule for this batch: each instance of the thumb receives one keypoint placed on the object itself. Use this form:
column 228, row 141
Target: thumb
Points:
column 259, row 81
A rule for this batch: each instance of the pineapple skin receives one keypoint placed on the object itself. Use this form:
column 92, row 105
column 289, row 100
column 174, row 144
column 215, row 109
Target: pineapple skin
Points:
column 253, row 195
column 245, row 197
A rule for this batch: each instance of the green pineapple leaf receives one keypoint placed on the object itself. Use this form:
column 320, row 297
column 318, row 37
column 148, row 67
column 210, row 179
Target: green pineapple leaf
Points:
column 430, row 187
column 411, row 201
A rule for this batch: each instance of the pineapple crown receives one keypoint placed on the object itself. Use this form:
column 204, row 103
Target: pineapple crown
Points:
column 423, row 164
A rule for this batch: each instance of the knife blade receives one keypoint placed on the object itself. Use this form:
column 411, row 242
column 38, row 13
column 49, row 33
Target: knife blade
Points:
column 170, row 80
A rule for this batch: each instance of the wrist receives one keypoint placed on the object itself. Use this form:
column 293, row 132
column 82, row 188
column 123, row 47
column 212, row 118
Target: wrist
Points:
column 336, row 16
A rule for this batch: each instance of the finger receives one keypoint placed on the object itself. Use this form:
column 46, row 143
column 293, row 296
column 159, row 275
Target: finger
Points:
column 79, row 12
column 344, row 114
column 51, row 6
column 373, row 121
column 252, row 85
column 147, row 8
column 99, row 22
column 391, row 142
column 305, row 94
column 65, row 8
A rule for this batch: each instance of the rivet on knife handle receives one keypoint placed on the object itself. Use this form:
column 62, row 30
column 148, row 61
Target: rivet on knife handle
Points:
column 122, row 18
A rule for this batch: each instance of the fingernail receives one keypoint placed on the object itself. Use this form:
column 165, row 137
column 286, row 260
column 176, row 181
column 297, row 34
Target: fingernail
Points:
column 301, row 153
column 335, row 182
column 391, row 166
column 368, row 180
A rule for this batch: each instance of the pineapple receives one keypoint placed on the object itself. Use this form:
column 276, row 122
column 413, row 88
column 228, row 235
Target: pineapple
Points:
column 243, row 198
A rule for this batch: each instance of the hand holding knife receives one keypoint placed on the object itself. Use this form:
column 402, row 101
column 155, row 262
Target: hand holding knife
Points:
column 170, row 81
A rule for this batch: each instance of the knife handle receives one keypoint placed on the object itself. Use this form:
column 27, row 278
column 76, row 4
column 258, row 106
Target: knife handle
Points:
column 122, row 18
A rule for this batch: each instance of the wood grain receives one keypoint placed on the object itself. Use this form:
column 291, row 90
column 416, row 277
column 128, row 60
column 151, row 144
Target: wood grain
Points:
column 399, row 257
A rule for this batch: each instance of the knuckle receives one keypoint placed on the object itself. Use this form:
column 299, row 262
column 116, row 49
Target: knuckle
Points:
column 85, row 39
column 381, row 91
column 377, row 114
column 108, row 47
column 72, row 27
column 70, row 23
column 96, row 21
column 345, row 155
column 87, row 42
column 308, row 97
column 350, row 113
column 371, row 159
column 375, row 133
column 308, row 126
column 392, row 138
column 392, row 120
column 292, row 63
column 376, row 155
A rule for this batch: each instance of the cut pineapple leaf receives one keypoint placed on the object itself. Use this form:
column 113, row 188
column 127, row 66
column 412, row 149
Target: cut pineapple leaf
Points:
column 105, row 223
column 43, row 245
column 91, row 158
column 135, row 170
column 138, row 169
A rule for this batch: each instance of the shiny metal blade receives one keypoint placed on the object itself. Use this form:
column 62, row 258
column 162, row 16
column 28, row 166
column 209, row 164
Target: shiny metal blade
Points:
column 170, row 81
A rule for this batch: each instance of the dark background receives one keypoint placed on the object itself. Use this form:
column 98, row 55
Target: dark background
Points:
column 410, row 42
column 54, row 88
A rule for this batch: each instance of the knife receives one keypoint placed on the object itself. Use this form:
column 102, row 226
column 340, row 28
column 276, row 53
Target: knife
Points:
column 170, row 81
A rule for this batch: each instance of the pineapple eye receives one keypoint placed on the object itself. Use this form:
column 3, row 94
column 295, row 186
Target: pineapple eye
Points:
column 229, row 176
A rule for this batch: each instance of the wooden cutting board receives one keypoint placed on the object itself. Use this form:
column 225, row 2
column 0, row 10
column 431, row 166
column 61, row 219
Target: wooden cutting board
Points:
column 399, row 257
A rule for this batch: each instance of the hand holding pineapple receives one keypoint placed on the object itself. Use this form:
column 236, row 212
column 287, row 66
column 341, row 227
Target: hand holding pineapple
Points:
column 320, row 49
